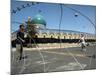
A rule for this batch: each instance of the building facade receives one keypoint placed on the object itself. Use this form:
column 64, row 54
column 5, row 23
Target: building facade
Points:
column 36, row 28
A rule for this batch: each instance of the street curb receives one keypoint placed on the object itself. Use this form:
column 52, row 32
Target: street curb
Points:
column 44, row 48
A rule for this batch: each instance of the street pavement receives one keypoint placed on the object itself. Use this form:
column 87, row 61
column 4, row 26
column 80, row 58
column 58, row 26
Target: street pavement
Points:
column 53, row 60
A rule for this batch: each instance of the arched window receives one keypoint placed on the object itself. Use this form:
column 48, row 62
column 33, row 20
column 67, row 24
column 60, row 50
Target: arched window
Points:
column 64, row 37
column 44, row 36
column 51, row 36
column 36, row 36
column 58, row 37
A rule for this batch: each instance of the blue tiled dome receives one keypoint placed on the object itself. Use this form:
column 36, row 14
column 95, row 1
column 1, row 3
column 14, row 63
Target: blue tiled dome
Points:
column 38, row 19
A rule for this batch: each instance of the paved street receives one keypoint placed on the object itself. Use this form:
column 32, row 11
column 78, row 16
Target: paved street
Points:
column 65, row 59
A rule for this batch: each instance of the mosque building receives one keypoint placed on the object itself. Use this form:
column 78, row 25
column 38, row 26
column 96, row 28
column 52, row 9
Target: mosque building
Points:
column 36, row 27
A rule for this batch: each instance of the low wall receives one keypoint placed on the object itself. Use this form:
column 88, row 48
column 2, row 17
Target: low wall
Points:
column 50, row 40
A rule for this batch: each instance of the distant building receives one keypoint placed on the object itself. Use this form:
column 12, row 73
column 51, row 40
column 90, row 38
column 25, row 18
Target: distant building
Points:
column 36, row 27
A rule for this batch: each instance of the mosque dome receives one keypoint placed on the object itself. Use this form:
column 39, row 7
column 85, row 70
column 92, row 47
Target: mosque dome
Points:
column 38, row 20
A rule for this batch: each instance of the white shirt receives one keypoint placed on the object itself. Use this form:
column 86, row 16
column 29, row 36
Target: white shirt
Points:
column 83, row 40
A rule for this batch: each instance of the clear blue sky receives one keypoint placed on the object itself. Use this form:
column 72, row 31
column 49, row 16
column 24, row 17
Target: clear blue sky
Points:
column 51, row 14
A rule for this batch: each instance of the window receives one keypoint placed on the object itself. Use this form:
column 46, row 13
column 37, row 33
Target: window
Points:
column 36, row 36
column 44, row 36
column 51, row 37
column 64, row 37
column 58, row 37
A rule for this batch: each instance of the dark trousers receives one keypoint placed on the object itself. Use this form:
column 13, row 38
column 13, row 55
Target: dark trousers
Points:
column 19, row 48
column 21, row 51
column 83, row 46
